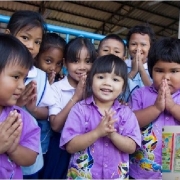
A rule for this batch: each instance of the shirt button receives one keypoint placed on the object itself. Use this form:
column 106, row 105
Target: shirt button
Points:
column 167, row 118
column 106, row 144
column 105, row 165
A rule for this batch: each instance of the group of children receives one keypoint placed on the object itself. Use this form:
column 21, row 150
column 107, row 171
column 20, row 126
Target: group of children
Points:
column 79, row 126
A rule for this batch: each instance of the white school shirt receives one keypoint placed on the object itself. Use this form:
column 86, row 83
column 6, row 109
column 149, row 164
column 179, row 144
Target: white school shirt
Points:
column 137, row 79
column 63, row 92
column 48, row 96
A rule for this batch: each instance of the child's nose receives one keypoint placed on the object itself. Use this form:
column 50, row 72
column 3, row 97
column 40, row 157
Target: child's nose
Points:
column 166, row 76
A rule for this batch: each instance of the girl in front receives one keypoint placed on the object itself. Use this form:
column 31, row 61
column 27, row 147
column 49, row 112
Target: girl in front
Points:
column 23, row 147
column 99, row 132
column 156, row 106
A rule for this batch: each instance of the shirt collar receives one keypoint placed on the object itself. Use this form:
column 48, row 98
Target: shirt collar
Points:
column 65, row 84
column 116, row 105
column 32, row 73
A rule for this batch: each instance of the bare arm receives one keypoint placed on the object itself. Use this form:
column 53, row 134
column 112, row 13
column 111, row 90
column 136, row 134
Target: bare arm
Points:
column 81, row 142
column 57, row 121
column 124, row 144
column 40, row 113
column 147, row 115
column 145, row 78
column 23, row 156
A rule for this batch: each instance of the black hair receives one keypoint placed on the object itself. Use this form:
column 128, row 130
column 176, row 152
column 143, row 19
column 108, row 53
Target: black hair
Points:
column 165, row 49
column 13, row 52
column 51, row 40
column 75, row 45
column 141, row 29
column 23, row 18
column 106, row 64
column 115, row 37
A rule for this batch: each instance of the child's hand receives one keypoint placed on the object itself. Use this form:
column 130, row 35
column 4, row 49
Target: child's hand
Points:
column 51, row 77
column 17, row 139
column 135, row 62
column 169, row 102
column 31, row 104
column 27, row 94
column 106, row 126
column 160, row 100
column 9, row 131
column 78, row 95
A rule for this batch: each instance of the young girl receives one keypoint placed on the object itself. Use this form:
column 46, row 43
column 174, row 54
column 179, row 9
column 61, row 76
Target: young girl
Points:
column 29, row 28
column 50, row 60
column 157, row 106
column 113, row 44
column 50, row 57
column 139, row 40
column 22, row 146
column 80, row 53
column 99, row 132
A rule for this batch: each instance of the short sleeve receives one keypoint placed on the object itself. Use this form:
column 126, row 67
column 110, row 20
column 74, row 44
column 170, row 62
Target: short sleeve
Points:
column 48, row 98
column 56, row 107
column 129, row 125
column 74, row 125
column 136, row 100
column 30, row 137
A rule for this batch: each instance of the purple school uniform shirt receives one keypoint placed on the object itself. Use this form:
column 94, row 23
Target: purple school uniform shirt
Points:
column 146, row 162
column 30, row 138
column 101, row 160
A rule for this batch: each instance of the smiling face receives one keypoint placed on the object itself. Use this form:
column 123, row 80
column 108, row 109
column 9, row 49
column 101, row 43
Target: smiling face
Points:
column 31, row 38
column 170, row 72
column 112, row 46
column 106, row 87
column 141, row 42
column 51, row 60
column 9, row 92
column 82, row 65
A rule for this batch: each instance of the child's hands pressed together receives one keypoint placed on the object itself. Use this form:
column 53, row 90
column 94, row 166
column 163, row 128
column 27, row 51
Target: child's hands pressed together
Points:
column 27, row 94
column 51, row 77
column 15, row 143
column 106, row 126
column 169, row 102
column 78, row 95
column 10, row 132
column 160, row 100
column 31, row 104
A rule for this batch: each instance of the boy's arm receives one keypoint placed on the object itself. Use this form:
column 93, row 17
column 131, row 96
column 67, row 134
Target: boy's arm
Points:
column 147, row 115
column 23, row 156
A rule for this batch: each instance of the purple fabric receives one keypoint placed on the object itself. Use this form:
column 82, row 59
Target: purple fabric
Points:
column 102, row 160
column 30, row 138
column 146, row 162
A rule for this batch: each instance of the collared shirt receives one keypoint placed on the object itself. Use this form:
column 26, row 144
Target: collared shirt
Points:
column 63, row 92
column 30, row 138
column 146, row 161
column 46, row 92
column 101, row 160
column 137, row 79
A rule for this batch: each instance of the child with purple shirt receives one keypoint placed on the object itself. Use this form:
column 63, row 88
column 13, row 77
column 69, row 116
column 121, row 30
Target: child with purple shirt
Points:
column 99, row 132
column 19, row 135
column 156, row 106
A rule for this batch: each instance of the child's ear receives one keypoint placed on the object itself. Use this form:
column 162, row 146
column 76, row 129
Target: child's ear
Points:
column 7, row 31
